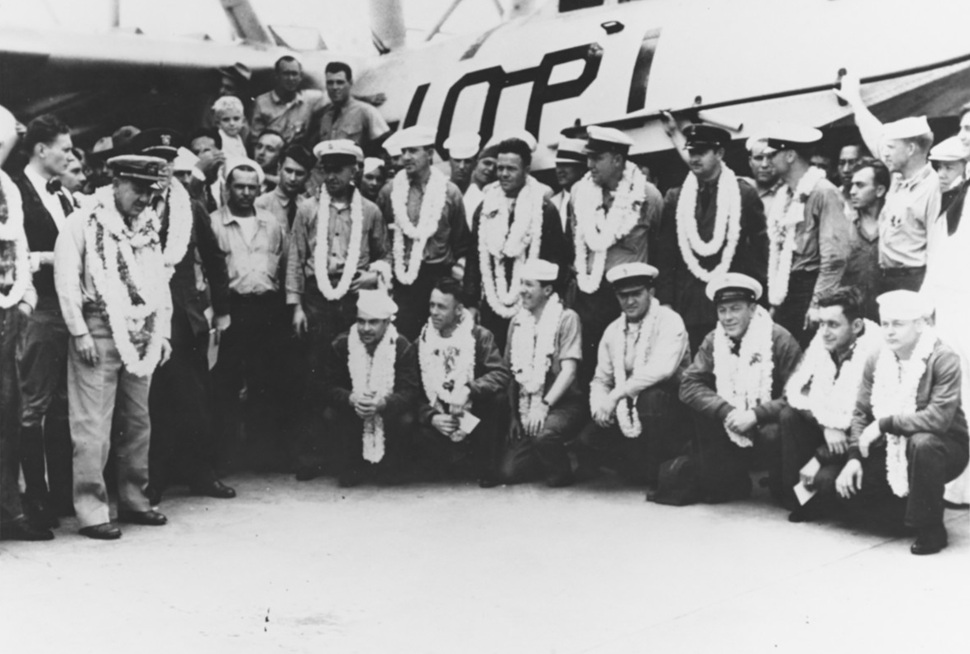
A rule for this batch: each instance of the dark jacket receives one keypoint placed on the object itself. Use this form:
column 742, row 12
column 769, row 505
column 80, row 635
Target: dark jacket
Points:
column 406, row 384
column 41, row 231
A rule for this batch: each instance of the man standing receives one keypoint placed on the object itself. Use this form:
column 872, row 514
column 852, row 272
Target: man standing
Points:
column 808, row 235
column 909, row 431
column 821, row 397
column 116, row 344
column 513, row 224
column 544, row 351
column 570, row 168
column 612, row 210
column 462, row 373
column 42, row 353
column 346, row 117
column 285, row 200
column 430, row 235
column 462, row 153
column 287, row 109
column 482, row 175
column 713, row 224
column 636, row 416
column 339, row 245
column 372, row 178
column 372, row 385
column 766, row 181
column 849, row 156
column 735, row 387
column 267, row 152
column 949, row 159
column 867, row 194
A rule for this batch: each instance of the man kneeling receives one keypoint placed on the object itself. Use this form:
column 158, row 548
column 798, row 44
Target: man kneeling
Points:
column 372, row 382
column 633, row 396
column 464, row 379
column 909, row 431
column 735, row 386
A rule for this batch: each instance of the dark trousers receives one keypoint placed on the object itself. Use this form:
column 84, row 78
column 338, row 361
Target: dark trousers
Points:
column 10, row 326
column 665, row 435
column 791, row 313
column 412, row 301
column 249, row 357
column 347, row 429
column 596, row 311
column 180, row 403
column 435, row 451
column 326, row 319
column 895, row 279
column 801, row 439
column 723, row 466
column 933, row 461
column 46, row 449
column 545, row 456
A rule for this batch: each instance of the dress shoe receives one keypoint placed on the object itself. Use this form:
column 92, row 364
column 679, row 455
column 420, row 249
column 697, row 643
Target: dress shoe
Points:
column 306, row 473
column 930, row 541
column 40, row 514
column 23, row 530
column 149, row 518
column 214, row 488
column 350, row 478
column 104, row 531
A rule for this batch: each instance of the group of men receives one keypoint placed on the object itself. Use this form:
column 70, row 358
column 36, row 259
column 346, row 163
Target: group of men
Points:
column 387, row 320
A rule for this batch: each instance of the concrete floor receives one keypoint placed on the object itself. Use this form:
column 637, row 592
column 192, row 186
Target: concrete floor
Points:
column 290, row 567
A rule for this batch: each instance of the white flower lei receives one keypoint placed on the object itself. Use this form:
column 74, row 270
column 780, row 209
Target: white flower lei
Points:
column 500, row 238
column 374, row 374
column 832, row 393
column 13, row 231
column 109, row 245
column 727, row 225
column 432, row 204
column 531, row 351
column 626, row 411
column 744, row 379
column 782, row 224
column 894, row 387
column 597, row 229
column 447, row 362
column 180, row 223
column 321, row 251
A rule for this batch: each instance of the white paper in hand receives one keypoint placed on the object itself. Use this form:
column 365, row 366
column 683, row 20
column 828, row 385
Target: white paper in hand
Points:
column 468, row 422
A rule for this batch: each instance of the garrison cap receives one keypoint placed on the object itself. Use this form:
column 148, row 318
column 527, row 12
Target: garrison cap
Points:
column 951, row 149
column 539, row 270
column 904, row 305
column 300, row 155
column 705, row 136
column 571, row 151
column 632, row 274
column 371, row 164
column 523, row 135
column 184, row 161
column 417, row 136
column 788, row 136
column 733, row 286
column 907, row 128
column 242, row 162
column 158, row 142
column 375, row 304
column 338, row 148
column 606, row 139
column 462, row 145
column 138, row 167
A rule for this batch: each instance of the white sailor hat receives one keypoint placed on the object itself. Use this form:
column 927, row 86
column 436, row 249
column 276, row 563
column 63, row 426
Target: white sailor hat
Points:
column 733, row 286
column 391, row 146
column 755, row 143
column 788, row 136
column 904, row 305
column 523, row 135
column 539, row 270
column 606, row 139
column 184, row 161
column 636, row 272
column 906, row 128
column 236, row 162
column 951, row 149
column 462, row 145
column 375, row 304
column 416, row 136
column 338, row 148
column 571, row 151
column 371, row 164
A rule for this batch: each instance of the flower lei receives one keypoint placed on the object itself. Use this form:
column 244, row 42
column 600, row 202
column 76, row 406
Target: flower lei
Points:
column 128, row 271
column 894, row 387
column 531, row 350
column 598, row 229
column 13, row 239
column 373, row 374
column 447, row 363
column 831, row 393
column 432, row 204
column 782, row 224
column 321, row 251
column 180, row 222
column 744, row 379
column 727, row 225
column 626, row 412
column 500, row 237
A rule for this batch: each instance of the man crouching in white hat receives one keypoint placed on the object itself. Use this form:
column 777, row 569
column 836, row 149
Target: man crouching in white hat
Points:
column 372, row 383
column 909, row 432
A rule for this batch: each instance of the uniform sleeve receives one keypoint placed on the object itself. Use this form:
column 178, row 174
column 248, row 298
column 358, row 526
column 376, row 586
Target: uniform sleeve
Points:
column 461, row 236
column 664, row 250
column 652, row 209
column 213, row 260
column 666, row 353
column 472, row 281
column 833, row 240
column 260, row 118
column 376, row 125
column 786, row 353
column 378, row 237
column 752, row 260
column 407, row 378
column 698, row 383
column 493, row 375
column 337, row 374
column 68, row 269
column 569, row 338
column 862, row 416
column 603, row 378
column 937, row 416
column 296, row 261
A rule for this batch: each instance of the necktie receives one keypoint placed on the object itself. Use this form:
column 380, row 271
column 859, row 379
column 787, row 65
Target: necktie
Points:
column 66, row 205
column 291, row 211
column 53, row 185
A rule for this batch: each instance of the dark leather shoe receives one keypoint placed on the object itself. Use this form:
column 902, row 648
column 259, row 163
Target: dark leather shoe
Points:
column 40, row 514
column 104, row 531
column 929, row 541
column 306, row 473
column 149, row 518
column 23, row 530
column 214, row 488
